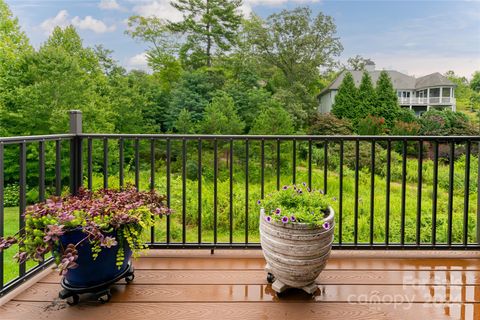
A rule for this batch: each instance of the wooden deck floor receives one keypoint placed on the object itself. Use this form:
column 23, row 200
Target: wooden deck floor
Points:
column 232, row 285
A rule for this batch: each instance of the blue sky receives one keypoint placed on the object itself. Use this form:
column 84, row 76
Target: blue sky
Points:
column 415, row 37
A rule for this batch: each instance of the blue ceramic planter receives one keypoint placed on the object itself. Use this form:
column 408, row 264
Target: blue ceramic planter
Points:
column 91, row 272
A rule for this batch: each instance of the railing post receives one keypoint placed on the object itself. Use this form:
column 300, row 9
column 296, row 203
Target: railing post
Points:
column 478, row 195
column 76, row 175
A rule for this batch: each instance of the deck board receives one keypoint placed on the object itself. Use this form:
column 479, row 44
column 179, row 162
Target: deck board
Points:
column 189, row 284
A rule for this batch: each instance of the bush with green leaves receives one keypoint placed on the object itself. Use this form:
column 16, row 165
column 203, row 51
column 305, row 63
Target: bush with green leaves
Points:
column 11, row 195
column 329, row 124
column 371, row 126
column 445, row 122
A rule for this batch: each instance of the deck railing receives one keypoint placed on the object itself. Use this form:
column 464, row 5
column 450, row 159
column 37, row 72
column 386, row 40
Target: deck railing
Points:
column 425, row 100
column 437, row 208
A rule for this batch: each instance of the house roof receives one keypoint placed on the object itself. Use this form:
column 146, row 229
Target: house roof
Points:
column 432, row 80
column 400, row 81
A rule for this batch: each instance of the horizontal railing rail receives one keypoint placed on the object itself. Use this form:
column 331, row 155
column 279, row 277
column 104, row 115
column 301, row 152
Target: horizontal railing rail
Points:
column 388, row 192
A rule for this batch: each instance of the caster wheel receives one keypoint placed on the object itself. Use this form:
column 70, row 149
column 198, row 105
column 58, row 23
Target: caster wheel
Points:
column 73, row 300
column 105, row 298
column 130, row 278
column 270, row 278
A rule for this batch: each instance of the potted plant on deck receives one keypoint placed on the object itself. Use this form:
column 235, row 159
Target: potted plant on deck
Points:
column 296, row 235
column 91, row 235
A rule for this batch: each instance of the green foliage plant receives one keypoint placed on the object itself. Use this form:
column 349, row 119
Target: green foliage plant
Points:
column 107, row 218
column 296, row 204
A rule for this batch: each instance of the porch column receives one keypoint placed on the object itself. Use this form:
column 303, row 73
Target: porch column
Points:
column 441, row 95
column 428, row 97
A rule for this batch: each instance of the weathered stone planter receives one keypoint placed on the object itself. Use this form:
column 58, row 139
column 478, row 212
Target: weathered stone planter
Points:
column 295, row 253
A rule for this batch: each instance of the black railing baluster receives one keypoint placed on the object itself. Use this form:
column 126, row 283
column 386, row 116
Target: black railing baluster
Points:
column 2, row 210
column 230, row 216
column 278, row 164
column 41, row 171
column 105, row 163
column 355, row 218
column 137, row 164
column 325, row 166
column 435, row 193
column 152, row 183
column 340, row 196
column 372, row 192
column 168, row 159
column 215, row 189
column 246, row 190
column 184, row 191
column 199, row 178
column 387, row 196
column 419, row 192
column 451, row 162
column 22, row 197
column 90, row 164
column 262, row 166
column 466, row 194
column 294, row 161
column 310, row 151
column 404, row 188
column 121, row 163
column 58, row 167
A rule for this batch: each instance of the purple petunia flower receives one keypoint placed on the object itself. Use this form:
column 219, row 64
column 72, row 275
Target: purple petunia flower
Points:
column 285, row 187
column 293, row 219
column 304, row 184
column 268, row 218
column 278, row 211
column 321, row 191
column 334, row 198
column 308, row 189
column 259, row 202
column 299, row 191
column 285, row 219
column 326, row 225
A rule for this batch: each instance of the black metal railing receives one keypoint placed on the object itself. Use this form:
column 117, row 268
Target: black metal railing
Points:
column 389, row 192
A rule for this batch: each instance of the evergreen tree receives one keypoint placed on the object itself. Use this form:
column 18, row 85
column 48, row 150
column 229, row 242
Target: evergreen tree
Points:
column 273, row 119
column 346, row 99
column 387, row 101
column 210, row 27
column 220, row 116
column 184, row 123
column 367, row 97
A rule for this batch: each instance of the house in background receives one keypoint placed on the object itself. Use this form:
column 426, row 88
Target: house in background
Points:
column 417, row 94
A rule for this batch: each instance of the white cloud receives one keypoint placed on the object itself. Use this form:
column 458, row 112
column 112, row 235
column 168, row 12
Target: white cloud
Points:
column 110, row 5
column 60, row 20
column 158, row 8
column 138, row 61
column 88, row 23
column 163, row 9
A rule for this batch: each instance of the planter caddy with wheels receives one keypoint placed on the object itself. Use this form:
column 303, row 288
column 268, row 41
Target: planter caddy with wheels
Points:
column 92, row 237
column 296, row 234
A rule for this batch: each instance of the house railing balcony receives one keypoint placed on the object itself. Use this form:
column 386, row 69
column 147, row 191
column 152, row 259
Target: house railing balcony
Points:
column 426, row 101
column 214, row 181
